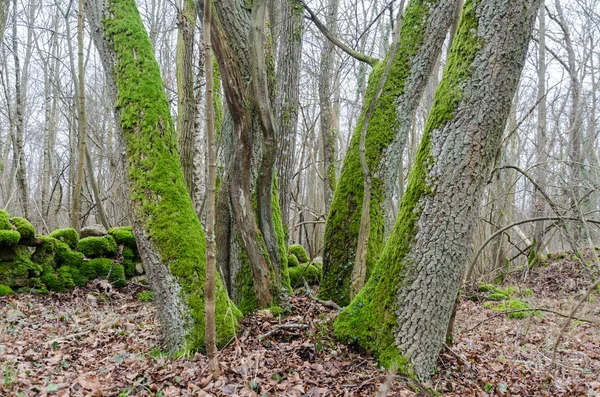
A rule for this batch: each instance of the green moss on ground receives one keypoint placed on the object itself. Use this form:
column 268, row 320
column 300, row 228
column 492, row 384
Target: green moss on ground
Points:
column 67, row 235
column 95, row 247
column 158, row 194
column 370, row 319
column 5, row 290
column 306, row 271
column 300, row 253
column 25, row 228
column 145, row 296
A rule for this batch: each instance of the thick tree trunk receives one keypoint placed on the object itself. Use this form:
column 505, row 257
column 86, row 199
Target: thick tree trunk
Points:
column 288, row 101
column 403, row 312
column 256, row 259
column 168, row 232
column 422, row 34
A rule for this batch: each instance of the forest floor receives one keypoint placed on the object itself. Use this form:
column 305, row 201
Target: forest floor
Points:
column 88, row 343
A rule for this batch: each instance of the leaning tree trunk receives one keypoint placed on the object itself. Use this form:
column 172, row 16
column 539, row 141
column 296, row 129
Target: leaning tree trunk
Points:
column 422, row 34
column 168, row 232
column 403, row 312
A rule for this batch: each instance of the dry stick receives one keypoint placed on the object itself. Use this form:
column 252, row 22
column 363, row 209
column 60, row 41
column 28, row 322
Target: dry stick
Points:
column 282, row 326
column 569, row 316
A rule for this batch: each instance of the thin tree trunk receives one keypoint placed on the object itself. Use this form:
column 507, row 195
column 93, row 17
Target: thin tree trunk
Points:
column 167, row 230
column 3, row 17
column 403, row 312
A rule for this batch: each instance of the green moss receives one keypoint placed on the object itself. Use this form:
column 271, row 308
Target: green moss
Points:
column 24, row 227
column 101, row 266
column 4, row 221
column 5, row 290
column 300, row 253
column 124, row 235
column 94, row 247
column 308, row 272
column 53, row 282
column 292, row 261
column 246, row 298
column 281, row 238
column 527, row 292
column 145, row 296
column 318, row 265
column 128, row 261
column 117, row 277
column 497, row 296
column 370, row 319
column 484, row 287
column 9, row 237
column 516, row 304
column 16, row 272
column 67, row 235
column 54, row 253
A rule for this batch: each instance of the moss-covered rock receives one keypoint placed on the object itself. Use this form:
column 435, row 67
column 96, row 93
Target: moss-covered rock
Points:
column 310, row 273
column 5, row 290
column 5, row 221
column 9, row 238
column 292, row 261
column 25, row 228
column 94, row 268
column 67, row 235
column 117, row 277
column 95, row 247
column 128, row 261
column 318, row 265
column 16, row 272
column 299, row 251
column 123, row 235
column 54, row 253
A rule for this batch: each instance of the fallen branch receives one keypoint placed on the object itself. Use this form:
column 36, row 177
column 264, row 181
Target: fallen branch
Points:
column 282, row 326
column 585, row 320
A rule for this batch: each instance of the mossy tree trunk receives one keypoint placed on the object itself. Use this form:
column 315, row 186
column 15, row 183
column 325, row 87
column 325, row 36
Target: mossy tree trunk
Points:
column 422, row 34
column 167, row 230
column 255, row 263
column 403, row 312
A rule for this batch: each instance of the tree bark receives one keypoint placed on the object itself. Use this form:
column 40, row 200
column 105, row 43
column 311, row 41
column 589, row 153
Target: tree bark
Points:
column 403, row 312
column 3, row 17
column 288, row 101
column 422, row 34
column 167, row 230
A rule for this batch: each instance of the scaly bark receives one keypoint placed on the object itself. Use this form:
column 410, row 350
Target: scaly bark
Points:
column 422, row 34
column 403, row 312
column 167, row 230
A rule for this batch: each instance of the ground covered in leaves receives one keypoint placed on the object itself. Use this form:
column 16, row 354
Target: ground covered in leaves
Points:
column 88, row 343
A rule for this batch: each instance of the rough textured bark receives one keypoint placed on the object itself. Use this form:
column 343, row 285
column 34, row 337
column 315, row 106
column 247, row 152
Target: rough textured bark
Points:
column 257, row 261
column 167, row 230
column 186, row 106
column 209, row 317
column 288, row 101
column 403, row 312
column 326, row 118
column 422, row 33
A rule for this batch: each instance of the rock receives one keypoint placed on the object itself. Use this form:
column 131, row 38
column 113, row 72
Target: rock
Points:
column 13, row 315
column 92, row 231
column 139, row 268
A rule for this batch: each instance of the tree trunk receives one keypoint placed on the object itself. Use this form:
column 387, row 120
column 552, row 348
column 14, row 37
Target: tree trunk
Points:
column 256, row 261
column 326, row 118
column 186, row 107
column 3, row 17
column 167, row 230
column 422, row 34
column 403, row 312
column 288, row 101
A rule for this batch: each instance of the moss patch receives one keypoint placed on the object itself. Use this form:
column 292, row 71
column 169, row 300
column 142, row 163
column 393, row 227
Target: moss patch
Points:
column 4, row 221
column 292, row 261
column 5, row 290
column 370, row 319
column 123, row 235
column 299, row 252
column 9, row 237
column 308, row 272
column 24, row 227
column 67, row 235
column 95, row 247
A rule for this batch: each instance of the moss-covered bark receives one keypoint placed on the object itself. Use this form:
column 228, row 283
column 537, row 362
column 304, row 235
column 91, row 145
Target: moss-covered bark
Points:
column 422, row 33
column 402, row 313
column 168, row 232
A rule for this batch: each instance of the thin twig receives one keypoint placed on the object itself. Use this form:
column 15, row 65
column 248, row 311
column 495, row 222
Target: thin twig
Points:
column 282, row 326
